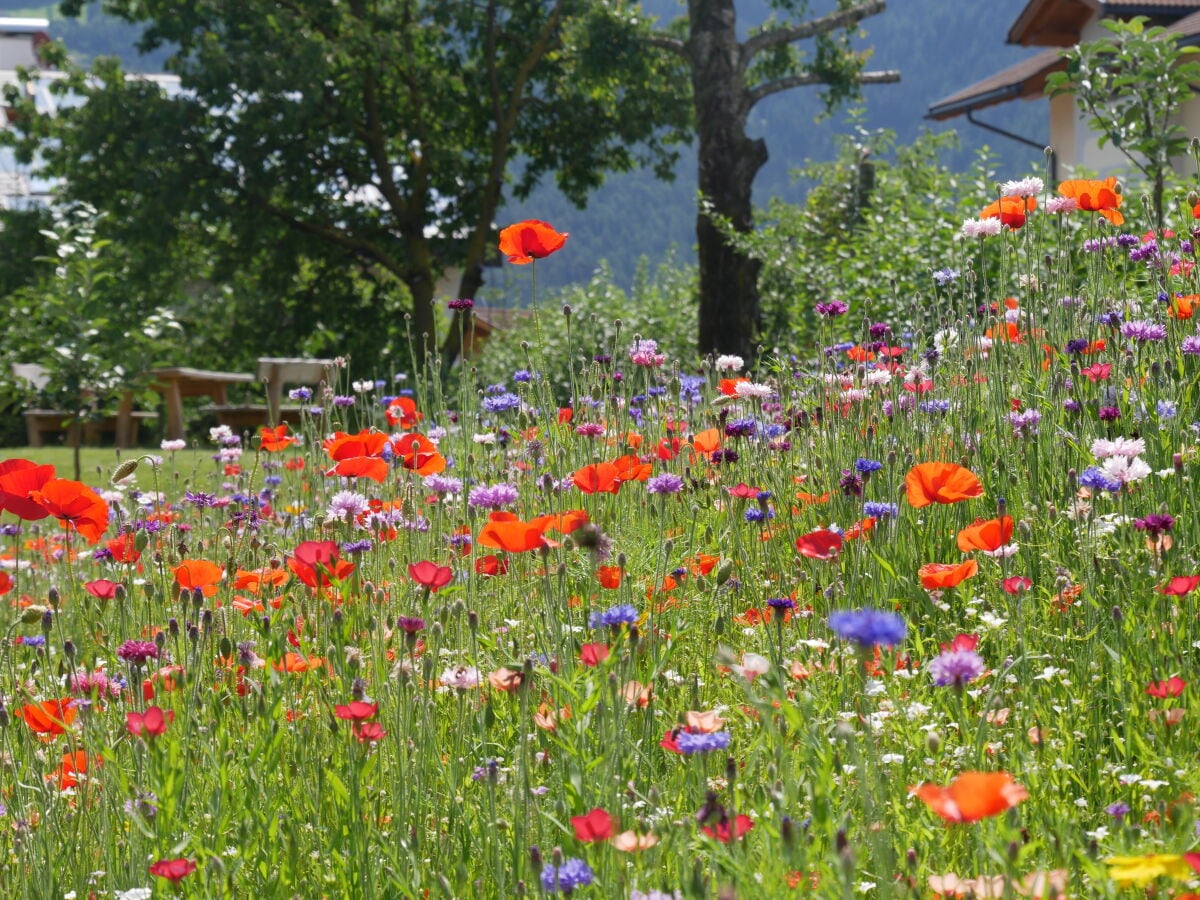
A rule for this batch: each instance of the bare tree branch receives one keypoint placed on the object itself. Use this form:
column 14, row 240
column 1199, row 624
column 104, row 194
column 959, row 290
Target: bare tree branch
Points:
column 786, row 34
column 754, row 94
column 666, row 42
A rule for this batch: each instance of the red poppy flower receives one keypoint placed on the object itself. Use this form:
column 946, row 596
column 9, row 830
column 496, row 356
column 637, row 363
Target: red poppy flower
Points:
column 962, row 642
column 18, row 479
column 609, row 576
column 1172, row 687
column 743, row 491
column 631, row 468
column 402, row 413
column 726, row 831
column 356, row 711
column 940, row 576
column 1095, row 196
column 418, row 453
column 1180, row 585
column 596, row 825
column 940, row 482
column 152, row 723
column 430, row 575
column 315, row 562
column 174, row 870
column 1097, row 371
column 1009, row 210
column 191, row 574
column 491, row 565
column 102, row 588
column 821, row 544
column 532, row 239
column 593, row 654
column 366, row 732
column 272, row 440
column 48, row 718
column 73, row 765
column 986, row 534
column 75, row 505
column 504, row 531
column 123, row 548
column 6, row 583
column 1016, row 583
column 972, row 796
column 598, row 478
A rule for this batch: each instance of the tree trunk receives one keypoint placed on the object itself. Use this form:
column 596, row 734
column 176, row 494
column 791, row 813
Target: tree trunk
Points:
column 729, row 160
column 419, row 277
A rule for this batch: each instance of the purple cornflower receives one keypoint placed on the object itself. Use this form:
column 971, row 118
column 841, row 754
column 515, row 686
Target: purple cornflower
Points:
column 590, row 429
column 1109, row 413
column 342, row 401
column 832, row 308
column 740, row 428
column 1025, row 422
column 410, row 624
column 1117, row 810
column 357, row 546
column 934, row 406
column 443, row 484
column 300, row 394
column 144, row 806
column 572, row 873
column 1072, row 405
column 1191, row 345
column 851, row 483
column 868, row 627
column 955, row 667
column 666, row 483
column 136, row 653
column 522, row 376
column 613, row 617
column 461, row 304
column 943, row 277
column 1153, row 524
column 695, row 742
column 346, row 506
column 1078, row 345
column 1142, row 330
column 199, row 498
column 493, row 497
column 645, row 353
column 878, row 330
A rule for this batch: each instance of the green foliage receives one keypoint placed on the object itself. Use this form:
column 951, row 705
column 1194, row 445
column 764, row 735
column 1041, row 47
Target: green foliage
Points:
column 92, row 339
column 876, row 223
column 1133, row 85
column 603, row 320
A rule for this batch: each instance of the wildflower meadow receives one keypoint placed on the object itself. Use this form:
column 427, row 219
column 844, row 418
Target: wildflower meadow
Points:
column 907, row 611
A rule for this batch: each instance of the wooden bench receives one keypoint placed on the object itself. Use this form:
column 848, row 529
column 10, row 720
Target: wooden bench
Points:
column 123, row 425
column 275, row 373
column 177, row 382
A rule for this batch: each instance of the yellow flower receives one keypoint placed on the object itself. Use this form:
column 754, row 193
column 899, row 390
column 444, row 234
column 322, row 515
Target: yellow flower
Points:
column 1127, row 870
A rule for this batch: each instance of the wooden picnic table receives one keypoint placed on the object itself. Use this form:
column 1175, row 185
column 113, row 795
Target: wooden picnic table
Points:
column 177, row 382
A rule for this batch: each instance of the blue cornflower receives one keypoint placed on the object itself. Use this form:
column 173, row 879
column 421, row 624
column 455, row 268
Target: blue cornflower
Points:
column 754, row 514
column 613, row 617
column 866, row 466
column 878, row 510
column 1094, row 477
column 573, row 873
column 944, row 276
column 868, row 627
column 522, row 376
column 501, row 403
column 934, row 406
column 1167, row 409
column 689, row 742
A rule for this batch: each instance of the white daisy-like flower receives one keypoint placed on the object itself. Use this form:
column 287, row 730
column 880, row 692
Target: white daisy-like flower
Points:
column 752, row 389
column 1023, row 187
column 980, row 228
column 730, row 363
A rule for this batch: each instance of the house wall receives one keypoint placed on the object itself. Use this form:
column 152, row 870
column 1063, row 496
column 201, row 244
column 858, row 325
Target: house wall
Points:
column 17, row 50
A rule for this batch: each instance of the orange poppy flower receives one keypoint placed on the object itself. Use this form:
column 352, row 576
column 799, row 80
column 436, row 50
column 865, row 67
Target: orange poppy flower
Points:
column 298, row 663
column 1009, row 210
column 254, row 580
column 198, row 573
column 972, row 796
column 529, row 240
column 940, row 482
column 346, row 446
column 568, row 521
column 361, row 467
column 48, row 718
column 1183, row 306
column 18, row 479
column 728, row 386
column 821, row 544
column 506, row 680
column 504, row 531
column 1095, row 196
column 986, row 534
column 123, row 548
column 598, row 478
column 417, row 452
column 272, row 440
column 75, row 505
column 707, row 441
column 940, row 576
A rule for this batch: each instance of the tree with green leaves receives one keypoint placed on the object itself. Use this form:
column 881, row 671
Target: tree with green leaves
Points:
column 1133, row 85
column 728, row 78
column 380, row 131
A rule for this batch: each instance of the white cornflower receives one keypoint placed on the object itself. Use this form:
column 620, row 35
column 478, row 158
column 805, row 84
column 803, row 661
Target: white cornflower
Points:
column 1023, row 187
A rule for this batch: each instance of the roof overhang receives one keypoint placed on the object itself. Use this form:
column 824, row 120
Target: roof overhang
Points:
column 1058, row 23
column 1025, row 79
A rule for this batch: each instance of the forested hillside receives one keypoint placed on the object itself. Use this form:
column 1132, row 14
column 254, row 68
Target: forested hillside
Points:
column 938, row 45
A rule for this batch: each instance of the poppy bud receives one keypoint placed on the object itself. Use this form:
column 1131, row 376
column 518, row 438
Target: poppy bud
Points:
column 473, row 620
column 933, row 741
column 31, row 614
